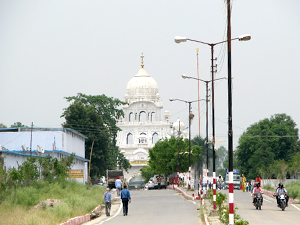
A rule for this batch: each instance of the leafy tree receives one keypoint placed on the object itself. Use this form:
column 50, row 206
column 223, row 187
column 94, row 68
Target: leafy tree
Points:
column 52, row 168
column 279, row 169
column 95, row 117
column 29, row 172
column 2, row 125
column 265, row 142
column 221, row 157
column 197, row 140
column 106, row 108
column 17, row 124
column 147, row 172
column 164, row 155
column 294, row 168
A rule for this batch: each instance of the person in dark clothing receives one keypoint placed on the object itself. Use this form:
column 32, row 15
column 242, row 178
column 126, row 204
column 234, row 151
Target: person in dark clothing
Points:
column 125, row 196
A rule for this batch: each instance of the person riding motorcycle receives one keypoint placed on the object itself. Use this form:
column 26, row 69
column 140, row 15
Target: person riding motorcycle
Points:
column 257, row 189
column 281, row 190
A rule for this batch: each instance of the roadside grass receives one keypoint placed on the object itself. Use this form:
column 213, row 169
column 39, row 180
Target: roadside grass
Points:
column 203, row 210
column 268, row 187
column 16, row 209
column 293, row 189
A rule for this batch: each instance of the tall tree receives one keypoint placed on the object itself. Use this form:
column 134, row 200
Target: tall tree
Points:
column 164, row 155
column 88, row 119
column 198, row 140
column 267, row 141
column 18, row 124
column 106, row 108
column 2, row 125
column 221, row 157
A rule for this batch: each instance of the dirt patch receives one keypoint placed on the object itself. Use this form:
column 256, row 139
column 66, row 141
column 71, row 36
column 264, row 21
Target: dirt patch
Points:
column 47, row 203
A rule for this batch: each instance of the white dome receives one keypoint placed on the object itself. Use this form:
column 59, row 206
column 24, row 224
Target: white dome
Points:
column 176, row 125
column 142, row 87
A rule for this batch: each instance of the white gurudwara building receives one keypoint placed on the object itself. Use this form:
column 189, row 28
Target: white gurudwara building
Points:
column 142, row 125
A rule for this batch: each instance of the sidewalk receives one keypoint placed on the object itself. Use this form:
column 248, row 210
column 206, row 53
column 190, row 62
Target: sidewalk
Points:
column 115, row 207
column 189, row 194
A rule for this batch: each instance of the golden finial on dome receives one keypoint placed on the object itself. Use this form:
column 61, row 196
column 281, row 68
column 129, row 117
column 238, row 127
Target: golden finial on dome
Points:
column 142, row 56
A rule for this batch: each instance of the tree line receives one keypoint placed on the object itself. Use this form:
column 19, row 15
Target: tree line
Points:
column 270, row 148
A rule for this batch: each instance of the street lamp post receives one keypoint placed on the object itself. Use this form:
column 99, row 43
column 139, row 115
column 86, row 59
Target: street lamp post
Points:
column 206, row 84
column 245, row 37
column 190, row 118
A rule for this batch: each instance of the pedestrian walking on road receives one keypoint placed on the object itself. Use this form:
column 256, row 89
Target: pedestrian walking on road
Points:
column 159, row 181
column 118, row 185
column 107, row 200
column 125, row 196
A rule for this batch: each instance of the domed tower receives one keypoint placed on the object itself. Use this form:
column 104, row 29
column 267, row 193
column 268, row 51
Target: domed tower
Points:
column 142, row 126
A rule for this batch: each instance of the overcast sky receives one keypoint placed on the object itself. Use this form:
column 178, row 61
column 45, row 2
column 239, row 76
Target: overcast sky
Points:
column 53, row 49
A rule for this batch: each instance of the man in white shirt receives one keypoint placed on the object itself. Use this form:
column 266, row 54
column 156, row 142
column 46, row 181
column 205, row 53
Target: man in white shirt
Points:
column 118, row 185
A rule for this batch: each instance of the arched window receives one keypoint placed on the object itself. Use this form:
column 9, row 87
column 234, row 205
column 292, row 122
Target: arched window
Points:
column 143, row 138
column 155, row 138
column 152, row 116
column 129, row 139
column 131, row 119
column 143, row 116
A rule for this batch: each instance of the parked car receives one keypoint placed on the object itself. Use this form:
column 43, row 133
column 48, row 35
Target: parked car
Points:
column 150, row 183
column 163, row 181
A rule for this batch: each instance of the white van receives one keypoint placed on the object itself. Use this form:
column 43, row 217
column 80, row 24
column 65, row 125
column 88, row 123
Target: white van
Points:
column 162, row 184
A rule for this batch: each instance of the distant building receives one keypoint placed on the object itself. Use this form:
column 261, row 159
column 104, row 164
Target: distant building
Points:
column 142, row 125
column 15, row 146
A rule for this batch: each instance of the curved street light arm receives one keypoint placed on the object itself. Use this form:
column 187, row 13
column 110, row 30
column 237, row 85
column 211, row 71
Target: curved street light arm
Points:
column 176, row 99
column 206, row 81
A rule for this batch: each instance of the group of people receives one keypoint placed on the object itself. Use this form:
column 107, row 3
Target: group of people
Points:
column 247, row 186
column 123, row 193
column 279, row 191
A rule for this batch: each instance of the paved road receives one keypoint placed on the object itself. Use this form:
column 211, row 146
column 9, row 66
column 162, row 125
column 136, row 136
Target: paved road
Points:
column 269, row 214
column 154, row 207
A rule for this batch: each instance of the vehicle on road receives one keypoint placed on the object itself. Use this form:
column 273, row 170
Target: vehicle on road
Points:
column 163, row 181
column 151, row 183
column 112, row 176
column 236, row 179
column 282, row 202
column 258, row 200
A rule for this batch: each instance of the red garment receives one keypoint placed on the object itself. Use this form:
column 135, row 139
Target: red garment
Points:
column 258, row 179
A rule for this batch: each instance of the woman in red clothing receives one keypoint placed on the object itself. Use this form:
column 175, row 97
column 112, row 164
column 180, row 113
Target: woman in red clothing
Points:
column 258, row 179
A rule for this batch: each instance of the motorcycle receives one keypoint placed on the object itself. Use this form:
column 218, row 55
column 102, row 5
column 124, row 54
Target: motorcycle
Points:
column 282, row 202
column 219, row 185
column 258, row 200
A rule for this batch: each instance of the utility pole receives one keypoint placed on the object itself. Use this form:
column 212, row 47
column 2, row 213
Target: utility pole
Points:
column 213, row 125
column 190, row 115
column 230, row 140
column 178, row 150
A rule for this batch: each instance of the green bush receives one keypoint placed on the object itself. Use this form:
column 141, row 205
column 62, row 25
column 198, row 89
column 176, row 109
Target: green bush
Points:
column 224, row 217
column 293, row 189
column 268, row 187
